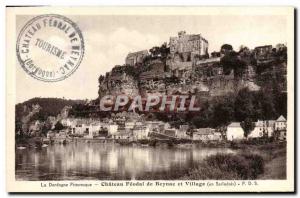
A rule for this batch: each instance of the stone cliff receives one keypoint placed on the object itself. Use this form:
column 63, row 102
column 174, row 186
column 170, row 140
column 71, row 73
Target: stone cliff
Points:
column 184, row 67
column 205, row 81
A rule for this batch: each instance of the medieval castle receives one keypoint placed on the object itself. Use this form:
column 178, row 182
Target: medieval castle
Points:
column 183, row 66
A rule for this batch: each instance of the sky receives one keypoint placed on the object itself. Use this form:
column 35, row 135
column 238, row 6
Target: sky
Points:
column 108, row 39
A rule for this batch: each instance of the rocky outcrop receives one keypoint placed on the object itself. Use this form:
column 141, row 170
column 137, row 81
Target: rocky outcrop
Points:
column 121, row 80
column 183, row 66
column 29, row 112
column 154, row 78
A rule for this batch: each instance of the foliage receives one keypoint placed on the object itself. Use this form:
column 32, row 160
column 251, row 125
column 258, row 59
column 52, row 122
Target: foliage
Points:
column 46, row 127
column 49, row 107
column 247, row 126
column 228, row 167
column 245, row 105
column 226, row 47
column 58, row 126
column 231, row 61
column 131, row 71
column 161, row 51
column 84, row 110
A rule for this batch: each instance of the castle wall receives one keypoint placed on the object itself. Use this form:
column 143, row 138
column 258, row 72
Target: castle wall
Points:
column 135, row 58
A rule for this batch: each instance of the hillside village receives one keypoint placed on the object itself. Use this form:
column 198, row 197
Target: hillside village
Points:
column 137, row 129
column 183, row 66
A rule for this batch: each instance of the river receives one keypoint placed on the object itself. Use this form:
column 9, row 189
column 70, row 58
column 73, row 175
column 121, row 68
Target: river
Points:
column 94, row 161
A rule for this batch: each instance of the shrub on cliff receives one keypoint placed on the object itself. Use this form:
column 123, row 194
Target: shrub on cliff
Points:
column 231, row 61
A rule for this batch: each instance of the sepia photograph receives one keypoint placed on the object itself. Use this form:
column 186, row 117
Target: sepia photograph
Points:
column 111, row 97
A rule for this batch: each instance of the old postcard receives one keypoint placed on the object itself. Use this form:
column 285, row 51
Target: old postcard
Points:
column 150, row 99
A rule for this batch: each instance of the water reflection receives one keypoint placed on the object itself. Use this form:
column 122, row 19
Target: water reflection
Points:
column 104, row 161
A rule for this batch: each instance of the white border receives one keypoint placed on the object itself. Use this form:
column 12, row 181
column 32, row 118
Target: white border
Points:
column 295, row 3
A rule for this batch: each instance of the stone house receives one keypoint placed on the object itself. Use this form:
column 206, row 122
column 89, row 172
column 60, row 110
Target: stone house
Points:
column 93, row 129
column 157, row 125
column 129, row 125
column 234, row 131
column 263, row 128
column 217, row 136
column 123, row 135
column 79, row 127
column 280, row 123
column 281, row 127
column 170, row 132
column 112, row 129
column 206, row 134
column 141, row 132
column 68, row 122
column 61, row 134
column 182, row 132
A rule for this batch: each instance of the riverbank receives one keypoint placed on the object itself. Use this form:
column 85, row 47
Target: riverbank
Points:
column 275, row 167
column 180, row 143
column 169, row 143
column 250, row 162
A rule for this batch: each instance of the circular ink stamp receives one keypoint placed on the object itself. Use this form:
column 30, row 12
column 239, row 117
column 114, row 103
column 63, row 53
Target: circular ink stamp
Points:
column 50, row 47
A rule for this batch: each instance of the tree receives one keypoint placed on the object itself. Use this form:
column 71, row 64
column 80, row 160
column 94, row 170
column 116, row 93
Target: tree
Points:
column 161, row 51
column 203, row 118
column 247, row 126
column 58, row 126
column 101, row 79
column 266, row 99
column 231, row 61
column 243, row 105
column 46, row 127
column 223, row 112
column 226, row 48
